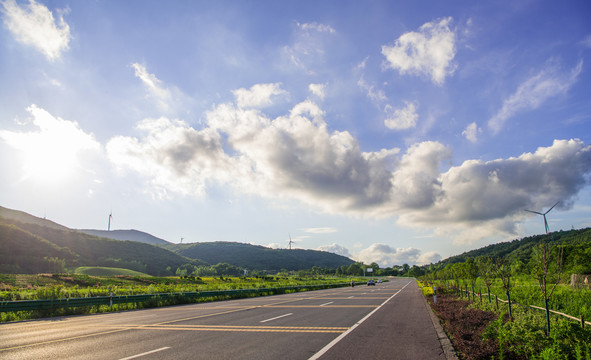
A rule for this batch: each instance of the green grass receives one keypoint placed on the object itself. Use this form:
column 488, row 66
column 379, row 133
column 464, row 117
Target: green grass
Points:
column 55, row 286
column 106, row 271
column 566, row 299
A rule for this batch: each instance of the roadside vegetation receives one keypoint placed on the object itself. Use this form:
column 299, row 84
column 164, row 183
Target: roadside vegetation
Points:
column 58, row 286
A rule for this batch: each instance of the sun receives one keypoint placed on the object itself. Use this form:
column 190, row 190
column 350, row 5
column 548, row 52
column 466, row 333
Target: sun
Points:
column 51, row 153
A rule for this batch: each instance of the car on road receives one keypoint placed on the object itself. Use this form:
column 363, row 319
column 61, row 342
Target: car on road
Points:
column 371, row 282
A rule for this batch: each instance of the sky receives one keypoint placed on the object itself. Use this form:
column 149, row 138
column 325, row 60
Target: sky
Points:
column 386, row 131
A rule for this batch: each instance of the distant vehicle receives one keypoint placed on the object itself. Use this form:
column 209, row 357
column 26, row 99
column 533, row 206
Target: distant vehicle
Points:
column 371, row 282
column 380, row 281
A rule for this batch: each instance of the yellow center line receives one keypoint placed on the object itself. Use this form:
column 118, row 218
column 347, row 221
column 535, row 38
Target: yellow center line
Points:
column 252, row 329
column 139, row 326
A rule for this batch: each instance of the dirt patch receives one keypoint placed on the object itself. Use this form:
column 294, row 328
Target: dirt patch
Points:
column 465, row 327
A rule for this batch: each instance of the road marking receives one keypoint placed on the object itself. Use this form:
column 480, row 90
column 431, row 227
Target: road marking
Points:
column 280, row 329
column 276, row 317
column 146, row 353
column 328, row 303
column 340, row 337
column 328, row 306
column 350, row 297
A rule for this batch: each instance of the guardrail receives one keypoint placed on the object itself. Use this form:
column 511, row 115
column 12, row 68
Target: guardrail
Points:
column 49, row 304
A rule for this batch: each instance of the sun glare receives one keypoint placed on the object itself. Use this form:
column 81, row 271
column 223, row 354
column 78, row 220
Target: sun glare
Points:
column 50, row 154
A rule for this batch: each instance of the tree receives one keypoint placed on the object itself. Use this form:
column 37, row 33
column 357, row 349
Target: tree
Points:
column 355, row 269
column 487, row 272
column 471, row 271
column 548, row 270
column 459, row 270
column 503, row 269
column 405, row 268
column 415, row 271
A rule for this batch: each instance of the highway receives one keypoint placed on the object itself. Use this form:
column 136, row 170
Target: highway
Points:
column 386, row 321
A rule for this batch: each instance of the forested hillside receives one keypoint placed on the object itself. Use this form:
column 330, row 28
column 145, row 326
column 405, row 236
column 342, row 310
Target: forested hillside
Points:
column 259, row 257
column 29, row 244
column 30, row 248
column 521, row 252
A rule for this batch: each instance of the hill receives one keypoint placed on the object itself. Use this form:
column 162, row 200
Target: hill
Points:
column 259, row 257
column 576, row 243
column 29, row 244
column 131, row 235
column 24, row 252
column 29, row 248
column 24, row 217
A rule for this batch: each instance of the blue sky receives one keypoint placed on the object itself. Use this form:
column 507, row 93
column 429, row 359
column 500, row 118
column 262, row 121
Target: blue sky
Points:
column 394, row 132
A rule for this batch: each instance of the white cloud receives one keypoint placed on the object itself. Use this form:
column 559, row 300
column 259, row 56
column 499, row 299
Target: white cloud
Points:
column 534, row 92
column 335, row 249
column 471, row 132
column 259, row 95
column 35, row 25
column 318, row 90
column 320, row 230
column 400, row 119
column 587, row 41
column 371, row 92
column 387, row 256
column 429, row 51
column 153, row 84
column 479, row 199
column 308, row 48
column 316, row 27
column 174, row 157
column 296, row 156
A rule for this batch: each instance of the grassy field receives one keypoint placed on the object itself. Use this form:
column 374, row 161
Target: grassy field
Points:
column 57, row 286
column 526, row 291
column 106, row 271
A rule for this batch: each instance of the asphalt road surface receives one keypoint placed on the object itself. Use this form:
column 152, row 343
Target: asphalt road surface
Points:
column 386, row 321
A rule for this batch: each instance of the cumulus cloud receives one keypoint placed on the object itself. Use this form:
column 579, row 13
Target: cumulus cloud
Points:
column 478, row 198
column 387, row 256
column 400, row 119
column 430, row 51
column 533, row 92
column 471, row 132
column 335, row 249
column 258, row 96
column 175, row 157
column 34, row 25
column 296, row 156
column 318, row 90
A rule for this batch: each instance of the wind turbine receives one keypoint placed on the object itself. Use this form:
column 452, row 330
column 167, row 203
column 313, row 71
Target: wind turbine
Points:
column 110, row 216
column 544, row 215
column 290, row 242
